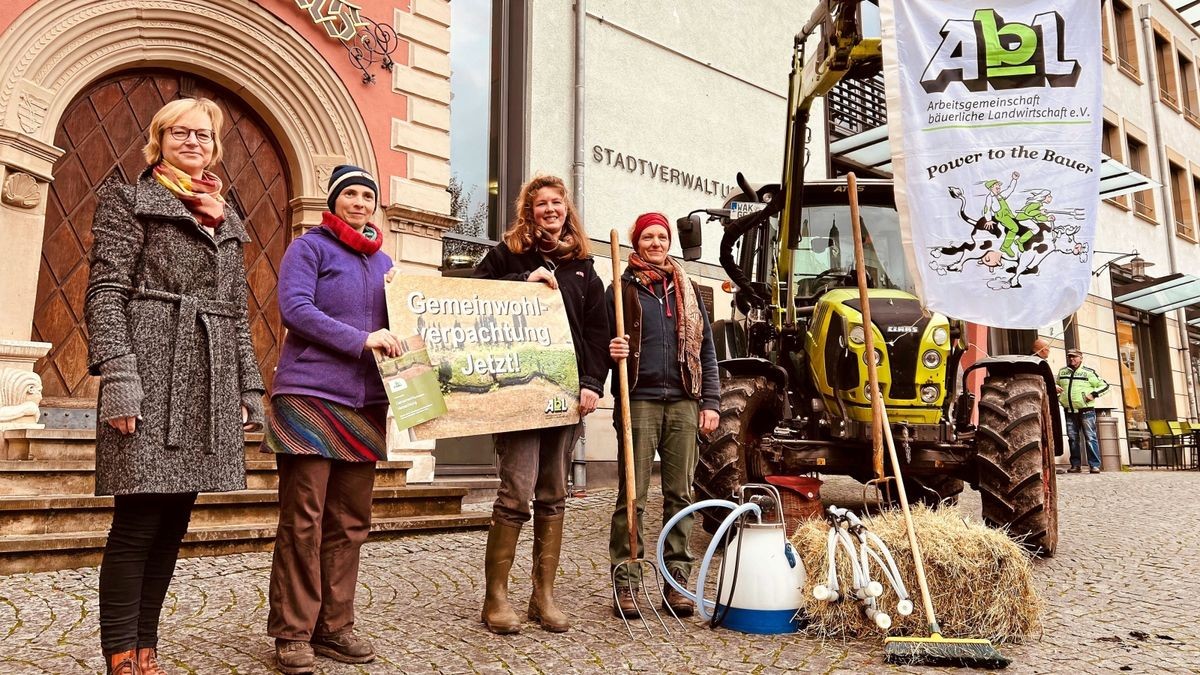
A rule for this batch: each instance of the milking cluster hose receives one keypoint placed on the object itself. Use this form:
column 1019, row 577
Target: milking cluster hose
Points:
column 704, row 606
column 842, row 524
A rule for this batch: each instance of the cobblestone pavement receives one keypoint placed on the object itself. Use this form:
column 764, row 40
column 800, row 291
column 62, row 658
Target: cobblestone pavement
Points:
column 1127, row 564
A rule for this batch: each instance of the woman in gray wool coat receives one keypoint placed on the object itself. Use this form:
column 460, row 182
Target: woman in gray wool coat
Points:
column 179, row 384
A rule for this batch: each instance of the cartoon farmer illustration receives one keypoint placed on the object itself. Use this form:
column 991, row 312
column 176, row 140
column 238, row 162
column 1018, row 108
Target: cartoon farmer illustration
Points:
column 996, row 208
column 1034, row 210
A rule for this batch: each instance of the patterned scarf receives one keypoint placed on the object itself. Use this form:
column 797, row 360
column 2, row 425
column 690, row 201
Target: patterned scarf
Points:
column 201, row 196
column 689, row 324
column 366, row 242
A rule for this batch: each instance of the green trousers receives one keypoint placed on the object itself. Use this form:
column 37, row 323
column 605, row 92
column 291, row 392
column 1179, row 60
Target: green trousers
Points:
column 668, row 429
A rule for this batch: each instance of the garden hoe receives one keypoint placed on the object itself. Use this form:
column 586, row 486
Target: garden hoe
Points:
column 934, row 650
column 636, row 568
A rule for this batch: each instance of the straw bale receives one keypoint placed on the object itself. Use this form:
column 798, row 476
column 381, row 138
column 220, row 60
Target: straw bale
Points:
column 980, row 581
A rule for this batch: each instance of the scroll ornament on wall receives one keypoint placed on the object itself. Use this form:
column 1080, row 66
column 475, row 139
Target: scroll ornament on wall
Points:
column 20, row 394
column 366, row 41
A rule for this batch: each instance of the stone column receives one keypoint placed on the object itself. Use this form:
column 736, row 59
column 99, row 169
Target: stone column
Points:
column 416, row 248
column 25, row 165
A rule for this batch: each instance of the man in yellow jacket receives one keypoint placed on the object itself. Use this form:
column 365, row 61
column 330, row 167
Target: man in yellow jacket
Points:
column 1078, row 388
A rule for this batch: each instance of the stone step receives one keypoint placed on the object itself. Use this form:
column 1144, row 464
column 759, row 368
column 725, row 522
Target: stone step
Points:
column 33, row 477
column 479, row 488
column 50, row 444
column 74, row 444
column 46, row 515
column 64, row 550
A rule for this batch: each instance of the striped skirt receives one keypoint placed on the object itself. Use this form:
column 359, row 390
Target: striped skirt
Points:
column 306, row 425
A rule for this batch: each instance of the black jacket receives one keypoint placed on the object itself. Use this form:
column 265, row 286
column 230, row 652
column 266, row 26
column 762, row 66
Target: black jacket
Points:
column 655, row 373
column 582, row 293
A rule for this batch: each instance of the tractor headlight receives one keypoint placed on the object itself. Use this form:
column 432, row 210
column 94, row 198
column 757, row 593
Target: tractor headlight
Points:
column 878, row 357
column 857, row 335
column 940, row 336
column 932, row 358
column 867, row 392
column 929, row 393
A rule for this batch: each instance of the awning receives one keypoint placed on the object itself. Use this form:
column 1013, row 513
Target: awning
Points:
column 1189, row 9
column 1162, row 295
column 871, row 149
column 1116, row 179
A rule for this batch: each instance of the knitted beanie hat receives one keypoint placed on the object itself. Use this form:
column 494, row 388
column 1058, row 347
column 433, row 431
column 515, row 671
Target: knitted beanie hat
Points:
column 646, row 220
column 345, row 175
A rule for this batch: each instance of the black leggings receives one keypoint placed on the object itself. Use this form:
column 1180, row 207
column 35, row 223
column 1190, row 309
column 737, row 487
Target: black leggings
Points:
column 139, row 561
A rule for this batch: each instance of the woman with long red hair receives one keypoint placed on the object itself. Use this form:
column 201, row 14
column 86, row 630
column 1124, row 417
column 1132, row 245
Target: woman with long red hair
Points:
column 545, row 244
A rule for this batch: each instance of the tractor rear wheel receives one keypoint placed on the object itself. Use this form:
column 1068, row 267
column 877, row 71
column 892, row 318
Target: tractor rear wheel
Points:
column 729, row 457
column 1016, row 460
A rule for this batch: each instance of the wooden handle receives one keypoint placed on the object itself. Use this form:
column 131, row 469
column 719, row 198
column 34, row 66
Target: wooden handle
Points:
column 881, row 427
column 623, row 387
column 868, row 330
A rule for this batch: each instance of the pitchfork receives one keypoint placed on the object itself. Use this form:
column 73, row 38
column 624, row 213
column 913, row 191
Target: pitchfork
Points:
column 635, row 567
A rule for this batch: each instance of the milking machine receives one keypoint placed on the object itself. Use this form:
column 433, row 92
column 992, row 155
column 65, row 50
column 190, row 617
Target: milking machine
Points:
column 761, row 578
column 844, row 528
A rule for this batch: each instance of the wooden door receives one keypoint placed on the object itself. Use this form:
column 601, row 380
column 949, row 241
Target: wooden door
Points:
column 102, row 132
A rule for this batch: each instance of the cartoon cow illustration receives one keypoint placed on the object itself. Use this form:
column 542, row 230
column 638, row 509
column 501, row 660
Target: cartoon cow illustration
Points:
column 987, row 237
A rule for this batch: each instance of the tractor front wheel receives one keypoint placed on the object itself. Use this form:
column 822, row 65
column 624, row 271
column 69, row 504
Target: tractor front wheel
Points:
column 1016, row 461
column 729, row 457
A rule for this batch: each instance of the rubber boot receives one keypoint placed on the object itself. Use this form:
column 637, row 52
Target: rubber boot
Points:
column 498, row 614
column 547, row 543
column 122, row 663
column 1024, row 239
column 1006, row 247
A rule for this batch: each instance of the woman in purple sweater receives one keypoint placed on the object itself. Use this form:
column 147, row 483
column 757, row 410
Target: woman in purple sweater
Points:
column 327, row 425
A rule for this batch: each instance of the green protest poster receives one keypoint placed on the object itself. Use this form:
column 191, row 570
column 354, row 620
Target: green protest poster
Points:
column 501, row 353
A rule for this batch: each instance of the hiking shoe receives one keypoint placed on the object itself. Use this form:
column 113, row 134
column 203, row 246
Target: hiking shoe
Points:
column 625, row 604
column 293, row 657
column 345, row 647
column 674, row 600
column 1074, row 469
column 1094, row 469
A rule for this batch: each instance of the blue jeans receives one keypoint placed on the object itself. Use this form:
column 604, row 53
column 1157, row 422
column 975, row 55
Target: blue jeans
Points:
column 1083, row 423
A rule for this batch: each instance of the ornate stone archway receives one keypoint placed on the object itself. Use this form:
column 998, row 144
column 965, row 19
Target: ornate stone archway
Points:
column 54, row 50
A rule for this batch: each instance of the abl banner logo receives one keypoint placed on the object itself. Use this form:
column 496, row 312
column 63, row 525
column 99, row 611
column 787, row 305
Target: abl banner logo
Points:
column 987, row 51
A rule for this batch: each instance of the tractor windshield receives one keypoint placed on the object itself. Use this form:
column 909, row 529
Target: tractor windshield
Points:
column 823, row 254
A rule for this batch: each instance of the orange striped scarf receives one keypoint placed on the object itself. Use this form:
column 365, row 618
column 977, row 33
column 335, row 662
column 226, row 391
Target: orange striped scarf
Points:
column 201, row 196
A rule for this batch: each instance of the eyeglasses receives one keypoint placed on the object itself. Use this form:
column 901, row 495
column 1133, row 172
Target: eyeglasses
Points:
column 181, row 134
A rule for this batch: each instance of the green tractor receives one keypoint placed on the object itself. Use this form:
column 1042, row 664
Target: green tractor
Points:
column 794, row 393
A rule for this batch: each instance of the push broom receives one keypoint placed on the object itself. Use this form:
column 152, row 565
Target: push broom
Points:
column 934, row 650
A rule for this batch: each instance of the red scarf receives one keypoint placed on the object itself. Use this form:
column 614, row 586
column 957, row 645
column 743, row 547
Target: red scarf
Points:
column 689, row 323
column 366, row 242
column 201, row 196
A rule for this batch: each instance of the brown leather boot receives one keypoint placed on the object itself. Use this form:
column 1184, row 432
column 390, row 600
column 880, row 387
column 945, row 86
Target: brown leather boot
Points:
column 498, row 614
column 147, row 661
column 675, row 601
column 547, row 543
column 122, row 663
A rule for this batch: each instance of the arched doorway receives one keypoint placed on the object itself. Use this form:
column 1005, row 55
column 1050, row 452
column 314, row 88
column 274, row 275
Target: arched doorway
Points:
column 103, row 131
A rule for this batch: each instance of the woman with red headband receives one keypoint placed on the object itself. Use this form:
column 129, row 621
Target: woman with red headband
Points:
column 674, row 391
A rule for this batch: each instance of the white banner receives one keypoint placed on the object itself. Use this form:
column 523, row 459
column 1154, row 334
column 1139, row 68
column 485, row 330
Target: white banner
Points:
column 994, row 118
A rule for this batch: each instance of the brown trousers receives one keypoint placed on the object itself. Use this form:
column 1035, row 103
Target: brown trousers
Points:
column 324, row 518
column 533, row 464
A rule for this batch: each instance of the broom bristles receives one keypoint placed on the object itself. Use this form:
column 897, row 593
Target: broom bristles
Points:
column 939, row 651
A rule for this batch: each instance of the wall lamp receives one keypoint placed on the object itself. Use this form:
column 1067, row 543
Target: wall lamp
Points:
column 1137, row 265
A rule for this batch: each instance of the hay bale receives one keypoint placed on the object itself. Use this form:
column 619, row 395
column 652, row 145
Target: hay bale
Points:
column 980, row 581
